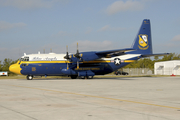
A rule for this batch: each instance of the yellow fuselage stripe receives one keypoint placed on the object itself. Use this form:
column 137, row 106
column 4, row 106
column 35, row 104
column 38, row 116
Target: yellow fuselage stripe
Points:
column 96, row 61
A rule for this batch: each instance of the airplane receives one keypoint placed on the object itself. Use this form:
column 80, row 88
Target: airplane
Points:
column 86, row 64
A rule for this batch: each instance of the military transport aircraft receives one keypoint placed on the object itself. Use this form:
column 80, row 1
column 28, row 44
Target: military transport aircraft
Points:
column 86, row 64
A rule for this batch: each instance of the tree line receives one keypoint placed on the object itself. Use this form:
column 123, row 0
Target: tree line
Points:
column 149, row 63
column 4, row 66
column 141, row 63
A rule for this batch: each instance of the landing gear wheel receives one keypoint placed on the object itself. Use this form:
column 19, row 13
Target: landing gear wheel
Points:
column 29, row 77
column 73, row 76
column 89, row 77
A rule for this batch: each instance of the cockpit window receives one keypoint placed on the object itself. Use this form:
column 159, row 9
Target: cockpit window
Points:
column 25, row 59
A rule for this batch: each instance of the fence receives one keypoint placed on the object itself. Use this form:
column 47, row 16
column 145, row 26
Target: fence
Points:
column 139, row 71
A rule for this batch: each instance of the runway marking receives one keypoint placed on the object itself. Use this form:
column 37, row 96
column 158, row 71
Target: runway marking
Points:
column 99, row 97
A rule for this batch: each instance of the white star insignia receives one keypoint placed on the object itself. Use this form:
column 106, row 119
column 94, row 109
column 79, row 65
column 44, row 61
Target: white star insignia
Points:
column 117, row 61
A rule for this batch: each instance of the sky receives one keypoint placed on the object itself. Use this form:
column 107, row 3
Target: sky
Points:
column 29, row 26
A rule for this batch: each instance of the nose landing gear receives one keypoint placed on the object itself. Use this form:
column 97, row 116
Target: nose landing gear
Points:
column 29, row 77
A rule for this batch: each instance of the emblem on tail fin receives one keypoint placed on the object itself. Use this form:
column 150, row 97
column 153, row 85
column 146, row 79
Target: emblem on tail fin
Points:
column 143, row 42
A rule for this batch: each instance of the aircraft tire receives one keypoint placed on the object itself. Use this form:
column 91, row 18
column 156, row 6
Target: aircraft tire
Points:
column 73, row 76
column 89, row 77
column 29, row 77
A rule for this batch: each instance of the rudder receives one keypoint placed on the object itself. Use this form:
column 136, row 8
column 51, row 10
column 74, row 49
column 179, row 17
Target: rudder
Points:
column 143, row 42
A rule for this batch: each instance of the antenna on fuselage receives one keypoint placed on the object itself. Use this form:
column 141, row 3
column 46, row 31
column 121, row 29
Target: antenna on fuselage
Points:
column 44, row 51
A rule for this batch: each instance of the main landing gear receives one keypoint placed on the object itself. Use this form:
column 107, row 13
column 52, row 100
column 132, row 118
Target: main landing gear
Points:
column 82, row 77
column 29, row 77
column 86, row 77
column 73, row 76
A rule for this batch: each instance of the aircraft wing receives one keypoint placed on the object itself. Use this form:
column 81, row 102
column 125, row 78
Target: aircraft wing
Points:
column 150, row 55
column 116, row 51
column 89, row 56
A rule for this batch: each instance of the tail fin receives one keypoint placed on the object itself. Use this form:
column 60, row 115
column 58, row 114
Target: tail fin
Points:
column 142, row 42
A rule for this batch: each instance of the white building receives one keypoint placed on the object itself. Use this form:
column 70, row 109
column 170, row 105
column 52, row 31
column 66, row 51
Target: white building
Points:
column 3, row 73
column 167, row 67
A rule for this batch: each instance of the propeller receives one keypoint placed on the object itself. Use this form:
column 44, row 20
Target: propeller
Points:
column 67, row 57
column 78, row 56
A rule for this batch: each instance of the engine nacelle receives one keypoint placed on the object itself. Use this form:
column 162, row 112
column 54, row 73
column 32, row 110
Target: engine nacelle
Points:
column 89, row 56
column 85, row 56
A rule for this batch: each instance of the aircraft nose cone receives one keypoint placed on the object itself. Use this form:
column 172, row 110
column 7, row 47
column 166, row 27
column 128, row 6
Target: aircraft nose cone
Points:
column 15, row 68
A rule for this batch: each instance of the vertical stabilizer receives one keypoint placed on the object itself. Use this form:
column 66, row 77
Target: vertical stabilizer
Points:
column 142, row 42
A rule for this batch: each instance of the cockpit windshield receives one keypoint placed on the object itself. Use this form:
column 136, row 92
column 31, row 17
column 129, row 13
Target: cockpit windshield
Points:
column 24, row 59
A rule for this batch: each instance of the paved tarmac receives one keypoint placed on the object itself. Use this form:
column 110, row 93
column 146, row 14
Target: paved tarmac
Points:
column 139, row 98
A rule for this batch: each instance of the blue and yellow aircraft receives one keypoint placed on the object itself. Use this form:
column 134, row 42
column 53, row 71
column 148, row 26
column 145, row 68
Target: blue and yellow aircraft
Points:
column 86, row 64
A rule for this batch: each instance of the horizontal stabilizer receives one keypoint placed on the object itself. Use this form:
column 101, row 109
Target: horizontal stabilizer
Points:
column 115, row 51
column 150, row 55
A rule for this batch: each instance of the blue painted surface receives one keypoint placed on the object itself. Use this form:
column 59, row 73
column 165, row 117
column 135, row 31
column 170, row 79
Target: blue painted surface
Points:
column 142, row 46
column 145, row 30
column 52, row 69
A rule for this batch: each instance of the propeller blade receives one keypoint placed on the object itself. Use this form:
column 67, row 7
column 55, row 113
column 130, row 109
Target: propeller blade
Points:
column 67, row 54
column 77, row 55
column 67, row 65
column 77, row 64
column 77, row 48
column 67, row 57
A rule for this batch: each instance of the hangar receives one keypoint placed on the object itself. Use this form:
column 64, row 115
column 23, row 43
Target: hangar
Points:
column 167, row 67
